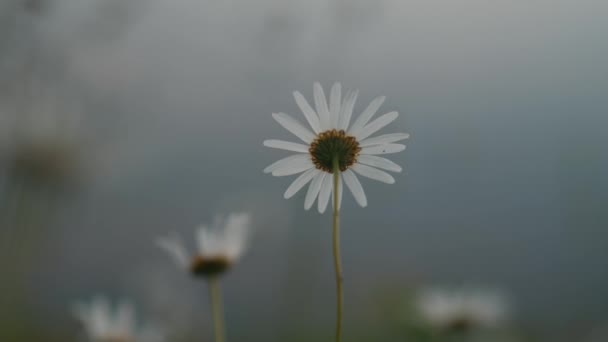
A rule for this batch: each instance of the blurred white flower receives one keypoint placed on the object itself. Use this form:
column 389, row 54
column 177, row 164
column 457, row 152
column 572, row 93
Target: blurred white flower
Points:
column 335, row 144
column 41, row 135
column 457, row 310
column 103, row 324
column 219, row 246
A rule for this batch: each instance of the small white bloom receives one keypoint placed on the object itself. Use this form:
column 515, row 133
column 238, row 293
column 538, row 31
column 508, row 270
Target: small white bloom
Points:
column 335, row 143
column 219, row 246
column 458, row 309
column 103, row 324
column 40, row 138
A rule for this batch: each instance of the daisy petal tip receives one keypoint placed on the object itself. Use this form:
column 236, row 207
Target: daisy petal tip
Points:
column 317, row 88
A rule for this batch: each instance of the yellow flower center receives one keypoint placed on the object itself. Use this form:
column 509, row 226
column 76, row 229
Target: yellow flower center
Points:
column 334, row 145
column 210, row 266
column 460, row 325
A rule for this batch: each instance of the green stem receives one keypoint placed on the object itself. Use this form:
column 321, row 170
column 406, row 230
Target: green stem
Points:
column 337, row 258
column 215, row 292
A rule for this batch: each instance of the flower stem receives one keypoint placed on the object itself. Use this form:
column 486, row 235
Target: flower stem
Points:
column 337, row 258
column 215, row 292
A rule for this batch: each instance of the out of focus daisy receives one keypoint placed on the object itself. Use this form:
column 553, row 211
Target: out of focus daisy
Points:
column 334, row 146
column 461, row 310
column 102, row 323
column 41, row 142
column 219, row 246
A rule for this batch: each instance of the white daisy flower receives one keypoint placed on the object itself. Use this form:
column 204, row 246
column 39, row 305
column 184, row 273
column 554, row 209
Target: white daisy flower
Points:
column 103, row 324
column 335, row 143
column 458, row 310
column 219, row 246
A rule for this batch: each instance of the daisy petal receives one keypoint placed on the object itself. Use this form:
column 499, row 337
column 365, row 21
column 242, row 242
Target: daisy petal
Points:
column 124, row 320
column 207, row 241
column 296, row 166
column 376, row 125
column 313, row 189
column 286, row 145
column 367, row 114
column 351, row 180
column 174, row 247
column 373, row 173
column 335, row 97
column 294, row 127
column 379, row 162
column 346, row 111
column 321, row 104
column 309, row 113
column 384, row 139
column 100, row 313
column 299, row 183
column 281, row 162
column 383, row 149
column 326, row 190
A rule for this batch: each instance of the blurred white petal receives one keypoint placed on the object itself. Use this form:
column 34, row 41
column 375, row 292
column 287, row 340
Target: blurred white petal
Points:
column 300, row 182
column 383, row 149
column 367, row 114
column 346, row 110
column 321, row 104
column 351, row 180
column 309, row 113
column 373, row 173
column 376, row 125
column 294, row 127
column 175, row 248
column 286, row 145
column 325, row 193
column 313, row 190
column 335, row 99
column 379, row 162
column 285, row 161
column 384, row 139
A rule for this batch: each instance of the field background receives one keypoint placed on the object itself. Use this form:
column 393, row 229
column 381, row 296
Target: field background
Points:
column 168, row 102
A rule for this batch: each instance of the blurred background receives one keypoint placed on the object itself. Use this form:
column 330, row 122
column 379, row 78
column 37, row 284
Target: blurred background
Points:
column 122, row 120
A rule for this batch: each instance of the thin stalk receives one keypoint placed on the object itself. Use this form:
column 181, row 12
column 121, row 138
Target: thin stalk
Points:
column 337, row 258
column 215, row 291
